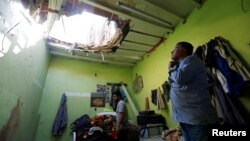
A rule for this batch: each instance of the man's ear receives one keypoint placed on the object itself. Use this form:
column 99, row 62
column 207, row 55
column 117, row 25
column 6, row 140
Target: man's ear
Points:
column 185, row 51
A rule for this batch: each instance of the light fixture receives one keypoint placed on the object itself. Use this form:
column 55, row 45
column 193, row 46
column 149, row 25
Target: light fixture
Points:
column 144, row 14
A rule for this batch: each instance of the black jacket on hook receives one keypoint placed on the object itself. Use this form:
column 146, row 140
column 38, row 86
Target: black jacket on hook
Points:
column 61, row 118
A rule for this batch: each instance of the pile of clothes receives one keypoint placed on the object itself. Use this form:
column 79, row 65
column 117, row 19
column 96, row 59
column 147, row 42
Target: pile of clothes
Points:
column 171, row 134
column 100, row 128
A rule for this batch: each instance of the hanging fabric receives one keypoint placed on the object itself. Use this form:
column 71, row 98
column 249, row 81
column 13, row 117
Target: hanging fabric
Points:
column 218, row 53
column 166, row 90
column 154, row 96
column 226, row 109
column 234, row 80
column 160, row 103
column 61, row 119
column 227, row 78
column 225, row 50
column 146, row 104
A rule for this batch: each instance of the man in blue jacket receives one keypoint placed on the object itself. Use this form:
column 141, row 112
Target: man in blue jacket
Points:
column 189, row 94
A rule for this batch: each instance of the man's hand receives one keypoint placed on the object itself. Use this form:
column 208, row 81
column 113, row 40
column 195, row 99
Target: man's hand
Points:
column 172, row 64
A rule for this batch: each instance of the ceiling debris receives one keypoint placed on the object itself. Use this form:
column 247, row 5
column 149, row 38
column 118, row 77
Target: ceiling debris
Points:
column 141, row 26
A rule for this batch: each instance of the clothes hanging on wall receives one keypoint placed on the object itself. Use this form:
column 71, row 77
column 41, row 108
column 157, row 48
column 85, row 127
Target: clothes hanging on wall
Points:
column 166, row 90
column 226, row 109
column 234, row 80
column 156, row 98
column 217, row 53
column 147, row 104
column 227, row 78
column 225, row 50
column 160, row 103
column 61, row 119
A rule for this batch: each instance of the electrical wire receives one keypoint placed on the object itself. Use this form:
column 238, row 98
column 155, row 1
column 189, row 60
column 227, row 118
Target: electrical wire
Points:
column 17, row 25
column 7, row 33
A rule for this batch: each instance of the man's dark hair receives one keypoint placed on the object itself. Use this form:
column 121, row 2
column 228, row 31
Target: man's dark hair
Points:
column 118, row 93
column 188, row 46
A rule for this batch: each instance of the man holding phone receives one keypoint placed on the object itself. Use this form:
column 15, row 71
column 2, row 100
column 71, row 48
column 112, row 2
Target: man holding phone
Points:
column 189, row 94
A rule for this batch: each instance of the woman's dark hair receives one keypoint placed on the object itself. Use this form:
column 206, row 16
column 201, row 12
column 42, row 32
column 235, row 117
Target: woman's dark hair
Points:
column 188, row 46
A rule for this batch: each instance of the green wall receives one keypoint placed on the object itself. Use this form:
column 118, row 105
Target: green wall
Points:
column 77, row 76
column 21, row 85
column 216, row 18
column 25, row 83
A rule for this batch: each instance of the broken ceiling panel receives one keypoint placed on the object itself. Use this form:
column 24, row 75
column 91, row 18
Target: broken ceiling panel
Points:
column 149, row 23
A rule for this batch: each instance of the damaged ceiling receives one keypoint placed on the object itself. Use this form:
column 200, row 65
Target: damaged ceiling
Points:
column 144, row 23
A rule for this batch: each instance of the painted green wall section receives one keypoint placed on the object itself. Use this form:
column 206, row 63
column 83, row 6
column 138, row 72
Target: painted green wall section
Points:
column 216, row 18
column 22, row 79
column 25, row 83
column 70, row 75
